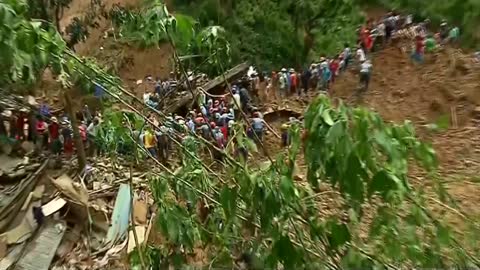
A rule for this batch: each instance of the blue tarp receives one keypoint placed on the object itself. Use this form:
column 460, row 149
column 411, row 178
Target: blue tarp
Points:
column 120, row 216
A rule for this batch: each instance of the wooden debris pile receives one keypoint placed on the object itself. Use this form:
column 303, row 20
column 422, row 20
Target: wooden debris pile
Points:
column 53, row 220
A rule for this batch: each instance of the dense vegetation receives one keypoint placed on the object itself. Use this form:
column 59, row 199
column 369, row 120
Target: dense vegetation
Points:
column 272, row 34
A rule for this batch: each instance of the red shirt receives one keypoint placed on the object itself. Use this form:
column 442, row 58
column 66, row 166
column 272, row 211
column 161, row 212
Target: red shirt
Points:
column 41, row 126
column 293, row 79
column 225, row 133
column 419, row 45
column 334, row 66
column 54, row 130
column 83, row 132
column 199, row 120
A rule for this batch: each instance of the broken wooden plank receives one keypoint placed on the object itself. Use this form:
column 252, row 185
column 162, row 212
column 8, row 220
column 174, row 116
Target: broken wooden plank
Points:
column 140, row 231
column 73, row 191
column 186, row 99
column 40, row 252
column 10, row 205
column 231, row 74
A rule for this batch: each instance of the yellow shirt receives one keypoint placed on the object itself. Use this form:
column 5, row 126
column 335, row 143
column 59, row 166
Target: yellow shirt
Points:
column 149, row 140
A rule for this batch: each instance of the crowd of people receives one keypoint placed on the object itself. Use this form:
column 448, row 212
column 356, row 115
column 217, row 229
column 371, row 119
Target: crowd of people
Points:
column 49, row 132
column 215, row 120
column 372, row 36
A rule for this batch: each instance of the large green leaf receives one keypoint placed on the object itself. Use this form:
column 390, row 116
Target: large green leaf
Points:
column 228, row 199
column 285, row 252
column 384, row 183
column 338, row 236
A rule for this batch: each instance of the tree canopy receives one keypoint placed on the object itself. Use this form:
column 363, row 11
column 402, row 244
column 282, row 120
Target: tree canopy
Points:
column 276, row 33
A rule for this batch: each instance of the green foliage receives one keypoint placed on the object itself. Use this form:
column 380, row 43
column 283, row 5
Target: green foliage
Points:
column 153, row 24
column 152, row 254
column 48, row 10
column 147, row 27
column 272, row 33
column 263, row 212
column 114, row 137
column 27, row 47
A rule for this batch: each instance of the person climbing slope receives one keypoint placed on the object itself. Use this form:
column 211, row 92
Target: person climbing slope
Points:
column 443, row 31
column 285, row 134
column 150, row 141
column 326, row 76
column 334, row 66
column 365, row 74
column 361, row 57
column 454, row 35
column 419, row 51
column 258, row 125
column 347, row 56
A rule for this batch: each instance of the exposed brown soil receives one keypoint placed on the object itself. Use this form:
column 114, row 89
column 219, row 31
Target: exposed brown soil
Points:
column 399, row 91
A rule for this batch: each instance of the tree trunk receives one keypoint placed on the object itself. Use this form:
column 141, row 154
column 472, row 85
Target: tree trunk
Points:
column 82, row 159
column 307, row 44
column 57, row 18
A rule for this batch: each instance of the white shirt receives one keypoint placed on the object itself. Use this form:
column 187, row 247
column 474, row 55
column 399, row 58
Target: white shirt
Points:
column 381, row 29
column 365, row 67
column 361, row 55
column 92, row 129
column 346, row 52
column 409, row 19
column 236, row 99
column 146, row 97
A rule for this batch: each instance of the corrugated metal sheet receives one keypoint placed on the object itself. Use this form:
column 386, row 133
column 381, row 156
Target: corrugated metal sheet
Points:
column 40, row 252
column 120, row 215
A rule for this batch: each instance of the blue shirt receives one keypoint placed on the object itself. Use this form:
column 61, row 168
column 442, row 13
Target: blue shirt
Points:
column 257, row 123
column 326, row 74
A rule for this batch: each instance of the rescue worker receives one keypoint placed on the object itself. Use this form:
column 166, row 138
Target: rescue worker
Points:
column 258, row 125
column 54, row 134
column 326, row 76
column 293, row 81
column 244, row 98
column 419, row 51
column 42, row 131
column 163, row 144
column 150, row 142
column 306, row 76
column 443, row 31
column 283, row 83
column 365, row 73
